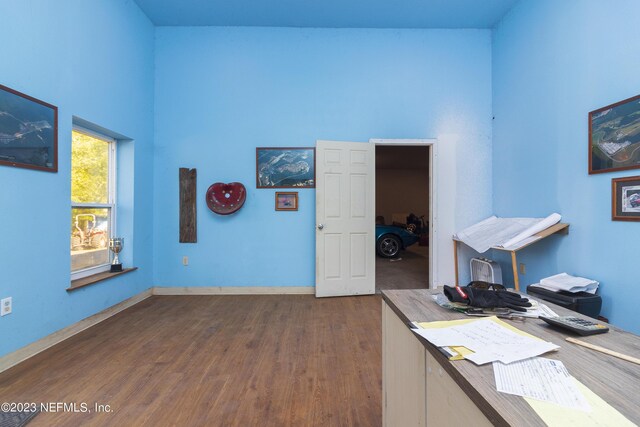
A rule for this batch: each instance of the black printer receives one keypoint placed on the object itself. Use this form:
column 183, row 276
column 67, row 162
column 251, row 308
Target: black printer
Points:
column 582, row 302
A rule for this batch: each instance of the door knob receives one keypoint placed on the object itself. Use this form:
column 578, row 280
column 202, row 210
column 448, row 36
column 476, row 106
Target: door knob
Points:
column 320, row 226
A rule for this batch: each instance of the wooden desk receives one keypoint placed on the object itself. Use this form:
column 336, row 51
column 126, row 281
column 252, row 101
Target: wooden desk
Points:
column 420, row 386
column 559, row 228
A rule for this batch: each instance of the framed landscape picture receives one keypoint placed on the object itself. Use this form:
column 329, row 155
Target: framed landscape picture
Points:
column 285, row 167
column 28, row 132
column 614, row 137
column 286, row 201
column 625, row 195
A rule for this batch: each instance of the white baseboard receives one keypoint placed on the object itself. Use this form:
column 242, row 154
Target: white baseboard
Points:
column 34, row 348
column 235, row 290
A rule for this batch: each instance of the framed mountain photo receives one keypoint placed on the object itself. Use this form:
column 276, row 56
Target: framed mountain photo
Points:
column 614, row 137
column 285, row 167
column 28, row 131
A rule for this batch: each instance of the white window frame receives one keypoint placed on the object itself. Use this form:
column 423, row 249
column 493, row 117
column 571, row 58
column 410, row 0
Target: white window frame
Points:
column 111, row 199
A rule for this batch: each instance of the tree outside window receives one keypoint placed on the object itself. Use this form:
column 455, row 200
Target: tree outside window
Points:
column 92, row 201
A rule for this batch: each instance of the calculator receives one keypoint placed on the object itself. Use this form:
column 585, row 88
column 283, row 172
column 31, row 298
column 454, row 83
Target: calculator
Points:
column 577, row 325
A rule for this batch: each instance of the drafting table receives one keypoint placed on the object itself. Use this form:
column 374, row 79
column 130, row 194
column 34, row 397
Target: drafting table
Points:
column 420, row 386
column 559, row 228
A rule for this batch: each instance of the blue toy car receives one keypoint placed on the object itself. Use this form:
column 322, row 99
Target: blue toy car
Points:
column 391, row 239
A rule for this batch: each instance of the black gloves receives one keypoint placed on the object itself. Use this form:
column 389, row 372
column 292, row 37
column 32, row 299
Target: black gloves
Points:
column 484, row 298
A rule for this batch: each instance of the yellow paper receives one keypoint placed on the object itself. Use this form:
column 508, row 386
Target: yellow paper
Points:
column 602, row 414
column 449, row 323
column 463, row 351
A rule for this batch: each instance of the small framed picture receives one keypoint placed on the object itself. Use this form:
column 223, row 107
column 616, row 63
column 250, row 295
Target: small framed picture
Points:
column 625, row 195
column 286, row 201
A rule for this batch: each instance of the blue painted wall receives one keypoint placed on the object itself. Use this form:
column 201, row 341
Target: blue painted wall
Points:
column 553, row 62
column 94, row 60
column 220, row 92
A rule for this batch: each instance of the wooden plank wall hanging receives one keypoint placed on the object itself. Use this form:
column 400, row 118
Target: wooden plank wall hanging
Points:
column 188, row 216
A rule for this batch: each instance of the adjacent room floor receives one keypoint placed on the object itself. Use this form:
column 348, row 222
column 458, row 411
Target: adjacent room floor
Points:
column 409, row 271
column 268, row 360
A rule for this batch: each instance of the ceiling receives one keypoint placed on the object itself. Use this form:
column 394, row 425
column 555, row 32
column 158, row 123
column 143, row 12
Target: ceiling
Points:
column 328, row 13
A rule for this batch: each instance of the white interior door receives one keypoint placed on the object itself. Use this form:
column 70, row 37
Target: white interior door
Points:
column 345, row 223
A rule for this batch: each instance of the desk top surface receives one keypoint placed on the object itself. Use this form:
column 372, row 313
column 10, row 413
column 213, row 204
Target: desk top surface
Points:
column 614, row 380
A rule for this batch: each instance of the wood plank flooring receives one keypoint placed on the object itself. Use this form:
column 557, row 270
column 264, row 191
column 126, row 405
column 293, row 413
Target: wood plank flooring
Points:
column 267, row 360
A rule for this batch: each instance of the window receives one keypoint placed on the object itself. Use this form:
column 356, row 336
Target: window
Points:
column 93, row 208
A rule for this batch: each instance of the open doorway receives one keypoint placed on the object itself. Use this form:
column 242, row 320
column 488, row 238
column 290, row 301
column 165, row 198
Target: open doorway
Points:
column 402, row 216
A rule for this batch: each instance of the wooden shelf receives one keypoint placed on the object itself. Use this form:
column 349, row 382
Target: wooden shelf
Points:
column 95, row 278
column 559, row 228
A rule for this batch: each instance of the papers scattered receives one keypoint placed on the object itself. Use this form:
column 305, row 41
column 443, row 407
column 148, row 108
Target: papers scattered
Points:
column 538, row 309
column 492, row 231
column 602, row 414
column 559, row 399
column 521, row 243
column 507, row 233
column 538, row 226
column 569, row 283
column 541, row 379
column 489, row 341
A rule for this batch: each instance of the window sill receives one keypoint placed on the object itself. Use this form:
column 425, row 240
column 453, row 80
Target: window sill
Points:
column 95, row 278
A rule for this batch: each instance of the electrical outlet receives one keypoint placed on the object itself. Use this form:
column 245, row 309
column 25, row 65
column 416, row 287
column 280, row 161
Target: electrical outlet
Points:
column 185, row 260
column 523, row 268
column 6, row 306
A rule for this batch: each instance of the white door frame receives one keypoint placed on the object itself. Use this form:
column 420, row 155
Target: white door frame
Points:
column 433, row 195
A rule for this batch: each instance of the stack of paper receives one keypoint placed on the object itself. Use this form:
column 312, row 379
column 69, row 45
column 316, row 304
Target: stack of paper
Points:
column 557, row 397
column 537, row 309
column 507, row 233
column 489, row 339
column 569, row 283
column 540, row 379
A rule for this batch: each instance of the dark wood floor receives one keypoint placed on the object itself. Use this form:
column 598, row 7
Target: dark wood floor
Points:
column 216, row 361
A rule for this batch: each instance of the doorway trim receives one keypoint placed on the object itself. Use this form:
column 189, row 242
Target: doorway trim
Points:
column 433, row 195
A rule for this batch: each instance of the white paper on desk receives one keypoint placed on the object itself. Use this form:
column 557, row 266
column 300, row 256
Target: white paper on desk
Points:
column 504, row 232
column 510, row 353
column 488, row 340
column 538, row 309
column 541, row 379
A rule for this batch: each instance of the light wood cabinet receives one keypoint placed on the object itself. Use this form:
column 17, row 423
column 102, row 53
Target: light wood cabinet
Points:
column 403, row 373
column 422, row 387
column 447, row 403
column 417, row 391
